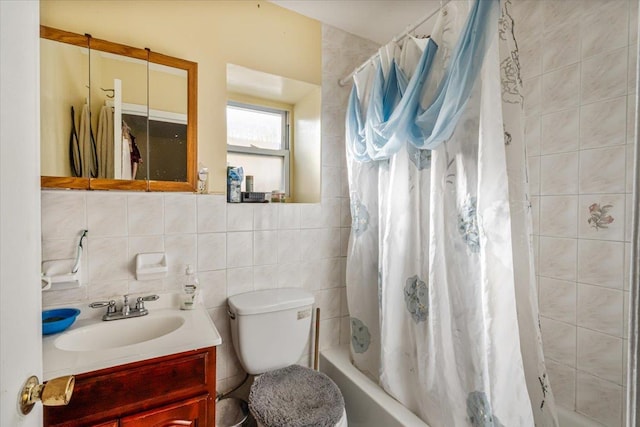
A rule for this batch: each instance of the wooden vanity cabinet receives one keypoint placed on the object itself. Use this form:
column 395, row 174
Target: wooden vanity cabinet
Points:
column 175, row 390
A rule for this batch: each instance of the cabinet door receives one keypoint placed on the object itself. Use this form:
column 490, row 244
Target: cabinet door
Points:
column 192, row 412
column 108, row 424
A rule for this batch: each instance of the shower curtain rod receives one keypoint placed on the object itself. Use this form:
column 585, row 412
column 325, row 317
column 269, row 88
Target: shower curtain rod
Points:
column 397, row 38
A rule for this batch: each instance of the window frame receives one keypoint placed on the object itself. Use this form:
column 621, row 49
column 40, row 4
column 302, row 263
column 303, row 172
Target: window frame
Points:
column 284, row 153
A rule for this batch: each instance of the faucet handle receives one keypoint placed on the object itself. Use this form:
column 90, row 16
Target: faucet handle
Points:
column 111, row 305
column 141, row 300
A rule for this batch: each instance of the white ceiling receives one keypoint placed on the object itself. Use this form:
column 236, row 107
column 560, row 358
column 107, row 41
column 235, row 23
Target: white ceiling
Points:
column 377, row 20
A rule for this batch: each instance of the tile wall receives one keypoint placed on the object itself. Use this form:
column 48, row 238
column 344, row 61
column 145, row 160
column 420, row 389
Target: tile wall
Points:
column 236, row 248
column 578, row 70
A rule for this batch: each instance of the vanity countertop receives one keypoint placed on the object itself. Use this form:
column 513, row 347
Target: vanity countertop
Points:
column 193, row 330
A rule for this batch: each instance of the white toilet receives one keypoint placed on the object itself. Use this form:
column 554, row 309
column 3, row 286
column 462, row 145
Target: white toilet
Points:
column 269, row 330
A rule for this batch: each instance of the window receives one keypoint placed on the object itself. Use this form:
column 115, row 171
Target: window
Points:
column 258, row 140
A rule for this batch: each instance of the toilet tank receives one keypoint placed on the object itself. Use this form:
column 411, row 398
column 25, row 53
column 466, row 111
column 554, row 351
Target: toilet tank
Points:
column 270, row 328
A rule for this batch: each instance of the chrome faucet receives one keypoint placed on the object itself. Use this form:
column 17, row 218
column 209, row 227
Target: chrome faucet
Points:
column 126, row 311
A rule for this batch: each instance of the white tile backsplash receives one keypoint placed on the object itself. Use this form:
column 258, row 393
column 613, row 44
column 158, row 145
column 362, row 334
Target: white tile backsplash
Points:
column 107, row 214
column 63, row 214
column 145, row 214
column 179, row 213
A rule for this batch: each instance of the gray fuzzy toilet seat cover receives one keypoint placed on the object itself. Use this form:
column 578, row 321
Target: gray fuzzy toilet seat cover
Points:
column 296, row 397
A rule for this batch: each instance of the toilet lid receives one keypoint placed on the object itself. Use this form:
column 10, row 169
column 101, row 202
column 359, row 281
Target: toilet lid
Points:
column 294, row 397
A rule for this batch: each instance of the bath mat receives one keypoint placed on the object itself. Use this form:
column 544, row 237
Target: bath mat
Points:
column 296, row 397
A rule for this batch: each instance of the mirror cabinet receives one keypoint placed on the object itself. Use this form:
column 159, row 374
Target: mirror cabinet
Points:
column 115, row 116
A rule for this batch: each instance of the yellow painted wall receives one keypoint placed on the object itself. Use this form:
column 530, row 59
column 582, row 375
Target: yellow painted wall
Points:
column 58, row 92
column 253, row 34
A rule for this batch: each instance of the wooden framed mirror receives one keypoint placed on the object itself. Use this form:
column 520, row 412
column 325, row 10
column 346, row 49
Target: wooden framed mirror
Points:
column 115, row 117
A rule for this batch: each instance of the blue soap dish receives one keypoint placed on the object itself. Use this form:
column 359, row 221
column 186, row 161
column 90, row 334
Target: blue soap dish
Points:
column 54, row 321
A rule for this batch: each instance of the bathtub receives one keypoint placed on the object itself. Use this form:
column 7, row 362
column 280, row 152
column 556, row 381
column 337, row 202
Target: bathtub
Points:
column 367, row 405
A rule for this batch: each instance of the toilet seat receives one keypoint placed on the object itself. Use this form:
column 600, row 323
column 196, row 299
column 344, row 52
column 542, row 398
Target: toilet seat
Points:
column 296, row 396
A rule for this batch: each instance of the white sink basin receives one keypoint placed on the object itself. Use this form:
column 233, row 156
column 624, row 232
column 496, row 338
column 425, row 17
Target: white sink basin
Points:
column 118, row 333
column 91, row 344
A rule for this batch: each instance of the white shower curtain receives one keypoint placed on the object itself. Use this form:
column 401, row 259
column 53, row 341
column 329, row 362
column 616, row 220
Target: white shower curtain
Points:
column 440, row 283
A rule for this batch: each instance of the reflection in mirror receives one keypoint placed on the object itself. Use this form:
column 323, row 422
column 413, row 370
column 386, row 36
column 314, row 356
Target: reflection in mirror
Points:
column 168, row 104
column 140, row 132
column 64, row 93
column 273, row 132
column 119, row 95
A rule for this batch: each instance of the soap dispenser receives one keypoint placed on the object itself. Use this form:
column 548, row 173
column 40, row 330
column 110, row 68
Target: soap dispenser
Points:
column 189, row 289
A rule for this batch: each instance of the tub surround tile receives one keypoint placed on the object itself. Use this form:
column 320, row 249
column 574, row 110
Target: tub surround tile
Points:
column 629, row 156
column 560, row 131
column 561, row 45
column 563, row 383
column 600, row 309
column 532, row 133
column 561, row 88
column 601, row 130
column 602, row 170
column 532, row 92
column 558, row 258
column 533, row 173
column 631, row 119
column 558, row 299
column 604, row 28
column 601, row 216
column 558, row 216
column 600, row 263
column 604, row 76
column 599, row 399
column 558, row 174
column 556, row 13
column 530, row 51
column 631, row 74
column 559, row 340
